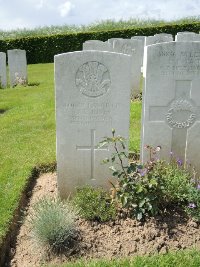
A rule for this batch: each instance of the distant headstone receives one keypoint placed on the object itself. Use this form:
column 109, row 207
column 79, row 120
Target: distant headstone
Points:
column 149, row 40
column 17, row 67
column 138, row 37
column 92, row 97
column 111, row 40
column 3, row 78
column 97, row 45
column 142, row 39
column 163, row 34
column 135, row 49
column 187, row 37
column 171, row 101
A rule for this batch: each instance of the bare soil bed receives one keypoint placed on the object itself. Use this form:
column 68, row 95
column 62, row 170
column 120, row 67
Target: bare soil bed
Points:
column 120, row 238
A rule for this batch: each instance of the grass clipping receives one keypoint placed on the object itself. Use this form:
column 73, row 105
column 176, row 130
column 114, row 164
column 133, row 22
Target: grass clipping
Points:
column 52, row 224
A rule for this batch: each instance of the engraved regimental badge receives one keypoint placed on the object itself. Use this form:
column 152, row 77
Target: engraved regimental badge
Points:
column 181, row 114
column 93, row 79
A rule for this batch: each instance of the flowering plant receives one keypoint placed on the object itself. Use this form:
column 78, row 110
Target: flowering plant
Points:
column 154, row 187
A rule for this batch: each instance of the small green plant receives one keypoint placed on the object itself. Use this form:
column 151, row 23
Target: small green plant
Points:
column 175, row 181
column 193, row 204
column 136, row 188
column 150, row 188
column 94, row 204
column 53, row 224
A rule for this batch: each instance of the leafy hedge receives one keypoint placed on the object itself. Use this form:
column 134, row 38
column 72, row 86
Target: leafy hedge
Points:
column 42, row 49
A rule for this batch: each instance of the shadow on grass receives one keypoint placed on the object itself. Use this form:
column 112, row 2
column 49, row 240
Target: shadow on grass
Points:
column 2, row 111
column 33, row 84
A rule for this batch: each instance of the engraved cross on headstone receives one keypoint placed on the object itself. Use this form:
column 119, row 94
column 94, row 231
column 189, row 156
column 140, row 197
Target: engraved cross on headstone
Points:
column 180, row 114
column 93, row 148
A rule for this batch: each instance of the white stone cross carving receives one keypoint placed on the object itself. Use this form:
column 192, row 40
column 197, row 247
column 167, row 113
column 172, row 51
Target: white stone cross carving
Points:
column 93, row 148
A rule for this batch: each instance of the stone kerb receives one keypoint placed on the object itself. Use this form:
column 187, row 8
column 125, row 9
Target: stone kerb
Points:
column 171, row 101
column 92, row 97
column 17, row 67
column 135, row 49
column 3, row 75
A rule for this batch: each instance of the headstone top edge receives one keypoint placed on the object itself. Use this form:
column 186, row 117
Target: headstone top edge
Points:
column 89, row 52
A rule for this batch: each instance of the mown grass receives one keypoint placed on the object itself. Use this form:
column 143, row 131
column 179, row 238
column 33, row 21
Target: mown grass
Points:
column 174, row 259
column 27, row 135
column 96, row 26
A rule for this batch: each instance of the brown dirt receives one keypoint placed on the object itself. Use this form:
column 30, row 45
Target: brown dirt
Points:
column 123, row 237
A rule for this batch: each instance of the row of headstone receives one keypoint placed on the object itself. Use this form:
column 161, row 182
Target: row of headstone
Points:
column 93, row 96
column 131, row 47
column 17, row 64
column 135, row 47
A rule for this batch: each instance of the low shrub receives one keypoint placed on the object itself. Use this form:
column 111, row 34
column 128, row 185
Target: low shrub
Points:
column 53, row 224
column 94, row 204
column 175, row 179
column 151, row 188
column 193, row 206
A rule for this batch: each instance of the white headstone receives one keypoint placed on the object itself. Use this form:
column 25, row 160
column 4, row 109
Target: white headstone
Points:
column 171, row 101
column 163, row 34
column 111, row 40
column 135, row 49
column 142, row 39
column 92, row 97
column 97, row 45
column 3, row 77
column 149, row 40
column 17, row 67
column 188, row 37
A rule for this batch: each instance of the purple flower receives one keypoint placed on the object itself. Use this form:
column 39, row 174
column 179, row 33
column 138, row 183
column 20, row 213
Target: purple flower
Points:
column 179, row 162
column 191, row 206
column 198, row 186
column 142, row 172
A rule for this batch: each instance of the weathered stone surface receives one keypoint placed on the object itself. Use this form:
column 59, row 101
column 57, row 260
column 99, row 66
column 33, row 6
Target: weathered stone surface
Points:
column 92, row 97
column 187, row 37
column 163, row 34
column 142, row 39
column 135, row 49
column 17, row 67
column 171, row 101
column 97, row 45
column 159, row 38
column 3, row 77
column 111, row 40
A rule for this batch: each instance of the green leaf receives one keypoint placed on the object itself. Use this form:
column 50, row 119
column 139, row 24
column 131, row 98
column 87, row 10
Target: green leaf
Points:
column 112, row 168
column 102, row 143
column 139, row 216
column 139, row 188
column 141, row 203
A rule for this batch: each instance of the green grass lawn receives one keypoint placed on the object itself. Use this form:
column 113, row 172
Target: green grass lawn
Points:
column 27, row 135
column 176, row 259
